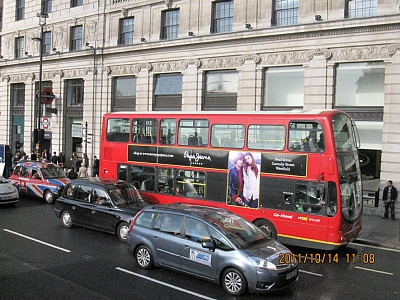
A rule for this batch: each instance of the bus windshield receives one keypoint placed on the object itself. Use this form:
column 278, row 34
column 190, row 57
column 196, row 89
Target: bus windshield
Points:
column 349, row 168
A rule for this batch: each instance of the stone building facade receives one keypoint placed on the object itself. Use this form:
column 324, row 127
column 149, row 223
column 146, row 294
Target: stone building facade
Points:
column 142, row 55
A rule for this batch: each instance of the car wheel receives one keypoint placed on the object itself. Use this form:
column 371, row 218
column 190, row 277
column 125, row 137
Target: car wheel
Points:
column 122, row 231
column 143, row 257
column 66, row 219
column 267, row 227
column 49, row 197
column 234, row 282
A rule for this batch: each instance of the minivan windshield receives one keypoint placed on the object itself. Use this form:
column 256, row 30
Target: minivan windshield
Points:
column 239, row 231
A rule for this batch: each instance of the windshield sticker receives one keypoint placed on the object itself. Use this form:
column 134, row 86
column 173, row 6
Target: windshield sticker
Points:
column 200, row 257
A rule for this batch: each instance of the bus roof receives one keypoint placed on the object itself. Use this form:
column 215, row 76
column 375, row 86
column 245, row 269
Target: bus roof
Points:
column 294, row 111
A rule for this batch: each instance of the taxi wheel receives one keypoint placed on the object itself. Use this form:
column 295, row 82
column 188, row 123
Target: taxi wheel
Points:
column 122, row 231
column 143, row 257
column 49, row 197
column 234, row 282
column 66, row 219
column 267, row 227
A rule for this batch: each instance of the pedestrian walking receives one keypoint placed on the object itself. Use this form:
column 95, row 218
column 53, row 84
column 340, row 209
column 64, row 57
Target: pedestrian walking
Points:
column 61, row 159
column 389, row 196
column 54, row 158
column 95, row 166
column 82, row 173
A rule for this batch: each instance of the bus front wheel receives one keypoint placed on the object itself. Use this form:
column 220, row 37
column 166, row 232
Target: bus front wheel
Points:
column 267, row 227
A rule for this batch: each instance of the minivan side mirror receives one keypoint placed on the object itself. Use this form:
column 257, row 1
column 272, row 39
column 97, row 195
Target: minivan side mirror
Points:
column 209, row 245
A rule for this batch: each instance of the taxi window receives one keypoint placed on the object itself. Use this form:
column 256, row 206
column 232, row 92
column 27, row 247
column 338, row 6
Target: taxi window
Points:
column 100, row 196
column 83, row 193
column 24, row 172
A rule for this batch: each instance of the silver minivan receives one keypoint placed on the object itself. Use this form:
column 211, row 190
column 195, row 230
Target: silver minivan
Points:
column 213, row 244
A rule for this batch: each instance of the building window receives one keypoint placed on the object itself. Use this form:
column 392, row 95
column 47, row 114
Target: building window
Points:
column 124, row 93
column 292, row 95
column 221, row 90
column 75, row 3
column 168, row 92
column 17, row 94
column 360, row 85
column 76, row 38
column 286, row 12
column 222, row 16
column 47, row 6
column 47, row 42
column 170, row 24
column 20, row 10
column 360, row 8
column 19, row 47
column 74, row 92
column 126, row 28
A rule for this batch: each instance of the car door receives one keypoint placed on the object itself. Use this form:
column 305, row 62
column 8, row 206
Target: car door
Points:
column 166, row 240
column 23, row 180
column 81, row 207
column 196, row 259
column 103, row 212
column 35, row 186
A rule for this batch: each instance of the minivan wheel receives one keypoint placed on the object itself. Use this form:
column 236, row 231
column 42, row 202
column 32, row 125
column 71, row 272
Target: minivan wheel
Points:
column 267, row 227
column 49, row 197
column 66, row 219
column 122, row 231
column 234, row 282
column 143, row 257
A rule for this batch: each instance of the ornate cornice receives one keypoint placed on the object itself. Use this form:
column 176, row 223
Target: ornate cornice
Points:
column 287, row 57
column 223, row 62
column 363, row 53
column 79, row 73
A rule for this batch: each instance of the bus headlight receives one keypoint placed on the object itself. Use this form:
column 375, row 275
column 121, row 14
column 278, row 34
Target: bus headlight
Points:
column 262, row 263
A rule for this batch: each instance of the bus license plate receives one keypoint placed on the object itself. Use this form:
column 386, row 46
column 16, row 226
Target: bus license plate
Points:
column 291, row 274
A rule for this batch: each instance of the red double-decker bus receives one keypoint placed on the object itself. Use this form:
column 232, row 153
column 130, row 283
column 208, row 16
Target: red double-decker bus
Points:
column 294, row 174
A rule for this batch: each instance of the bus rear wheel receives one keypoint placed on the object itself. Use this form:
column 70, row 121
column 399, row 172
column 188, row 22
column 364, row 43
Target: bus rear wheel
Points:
column 267, row 227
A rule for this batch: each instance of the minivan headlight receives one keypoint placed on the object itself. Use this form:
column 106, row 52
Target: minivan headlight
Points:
column 262, row 263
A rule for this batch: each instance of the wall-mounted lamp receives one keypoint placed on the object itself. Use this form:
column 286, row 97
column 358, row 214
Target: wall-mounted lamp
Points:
column 142, row 40
column 318, row 18
column 56, row 51
column 27, row 54
column 248, row 26
column 190, row 33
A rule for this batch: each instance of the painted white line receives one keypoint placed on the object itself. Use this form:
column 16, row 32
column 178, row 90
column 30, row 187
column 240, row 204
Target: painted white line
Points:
column 35, row 240
column 311, row 273
column 375, row 247
column 372, row 270
column 166, row 284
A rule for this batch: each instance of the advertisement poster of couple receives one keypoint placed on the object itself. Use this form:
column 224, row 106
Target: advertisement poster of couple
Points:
column 244, row 178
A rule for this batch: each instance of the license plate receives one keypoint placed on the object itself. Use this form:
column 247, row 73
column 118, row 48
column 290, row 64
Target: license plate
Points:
column 291, row 274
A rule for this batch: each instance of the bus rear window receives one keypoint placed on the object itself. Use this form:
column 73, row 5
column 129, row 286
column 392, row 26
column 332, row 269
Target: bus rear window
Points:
column 118, row 130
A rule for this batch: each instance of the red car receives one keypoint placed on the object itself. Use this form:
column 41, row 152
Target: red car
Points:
column 40, row 179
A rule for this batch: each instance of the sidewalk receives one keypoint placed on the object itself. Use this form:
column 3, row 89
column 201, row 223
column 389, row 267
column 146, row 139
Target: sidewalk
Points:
column 377, row 231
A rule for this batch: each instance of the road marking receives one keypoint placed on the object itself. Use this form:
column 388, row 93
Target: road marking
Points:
column 35, row 240
column 372, row 270
column 311, row 273
column 166, row 284
column 375, row 247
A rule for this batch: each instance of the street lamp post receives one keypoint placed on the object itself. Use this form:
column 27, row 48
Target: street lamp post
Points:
column 42, row 22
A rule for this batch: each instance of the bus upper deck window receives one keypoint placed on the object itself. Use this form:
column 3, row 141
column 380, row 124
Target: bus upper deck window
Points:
column 306, row 137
